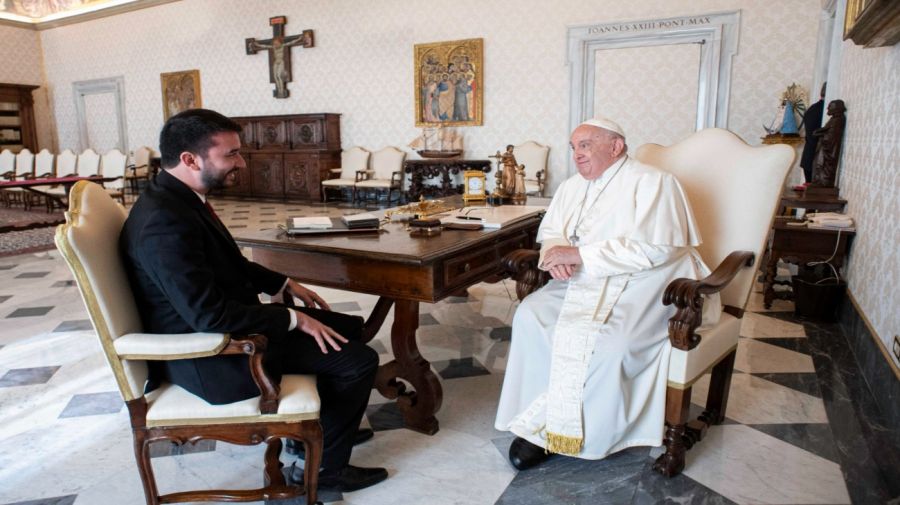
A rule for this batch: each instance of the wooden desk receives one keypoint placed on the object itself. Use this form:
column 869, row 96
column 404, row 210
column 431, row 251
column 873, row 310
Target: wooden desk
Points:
column 402, row 271
column 420, row 169
column 798, row 245
column 804, row 200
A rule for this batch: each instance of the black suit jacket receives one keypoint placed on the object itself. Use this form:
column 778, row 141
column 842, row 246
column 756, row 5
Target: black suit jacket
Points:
column 188, row 275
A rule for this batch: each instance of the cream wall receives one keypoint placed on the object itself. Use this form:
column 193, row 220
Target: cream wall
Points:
column 362, row 63
column 870, row 181
column 20, row 63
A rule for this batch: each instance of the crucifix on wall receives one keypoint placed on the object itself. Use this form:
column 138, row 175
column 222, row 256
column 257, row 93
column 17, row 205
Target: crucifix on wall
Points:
column 279, row 48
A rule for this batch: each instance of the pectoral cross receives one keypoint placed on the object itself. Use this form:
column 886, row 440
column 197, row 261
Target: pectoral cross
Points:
column 279, row 48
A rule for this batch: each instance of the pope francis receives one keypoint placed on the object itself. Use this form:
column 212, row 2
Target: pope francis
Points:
column 589, row 359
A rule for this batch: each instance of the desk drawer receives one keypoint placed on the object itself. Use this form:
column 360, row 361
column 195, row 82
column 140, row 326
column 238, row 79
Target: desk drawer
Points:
column 474, row 266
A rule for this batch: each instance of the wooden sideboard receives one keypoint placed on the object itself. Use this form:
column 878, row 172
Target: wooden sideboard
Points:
column 287, row 156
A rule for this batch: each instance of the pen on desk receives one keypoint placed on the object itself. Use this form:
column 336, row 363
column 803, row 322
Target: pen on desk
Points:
column 470, row 218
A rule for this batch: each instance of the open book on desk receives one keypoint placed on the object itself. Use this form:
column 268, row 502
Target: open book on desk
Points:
column 323, row 225
column 493, row 217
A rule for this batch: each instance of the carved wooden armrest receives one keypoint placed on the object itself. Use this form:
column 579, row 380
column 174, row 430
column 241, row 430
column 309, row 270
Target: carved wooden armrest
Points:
column 522, row 265
column 255, row 347
column 396, row 178
column 362, row 175
column 685, row 294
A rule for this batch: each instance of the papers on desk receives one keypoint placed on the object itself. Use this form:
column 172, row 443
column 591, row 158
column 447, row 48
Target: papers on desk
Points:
column 310, row 223
column 493, row 217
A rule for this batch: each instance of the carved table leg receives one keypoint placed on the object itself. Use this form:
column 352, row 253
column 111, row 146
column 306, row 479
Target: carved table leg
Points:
column 771, row 271
column 420, row 405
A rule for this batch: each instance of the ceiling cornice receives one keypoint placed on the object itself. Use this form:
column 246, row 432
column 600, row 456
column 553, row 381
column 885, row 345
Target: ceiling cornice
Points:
column 80, row 18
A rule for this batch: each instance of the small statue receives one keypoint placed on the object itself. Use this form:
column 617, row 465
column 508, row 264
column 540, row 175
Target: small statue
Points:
column 518, row 190
column 828, row 151
column 508, row 160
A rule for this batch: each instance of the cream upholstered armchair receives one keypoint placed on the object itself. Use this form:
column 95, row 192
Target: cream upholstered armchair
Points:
column 386, row 172
column 534, row 156
column 89, row 243
column 734, row 190
column 88, row 163
column 354, row 162
column 112, row 165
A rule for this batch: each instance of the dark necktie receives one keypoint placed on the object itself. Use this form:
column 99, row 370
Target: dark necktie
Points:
column 213, row 212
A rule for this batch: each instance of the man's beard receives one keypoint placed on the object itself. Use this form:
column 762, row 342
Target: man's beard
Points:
column 214, row 180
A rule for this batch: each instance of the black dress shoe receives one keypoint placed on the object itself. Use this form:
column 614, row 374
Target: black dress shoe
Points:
column 524, row 455
column 297, row 449
column 351, row 478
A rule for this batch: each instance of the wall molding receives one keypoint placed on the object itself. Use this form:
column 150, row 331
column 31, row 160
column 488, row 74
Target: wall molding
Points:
column 114, row 85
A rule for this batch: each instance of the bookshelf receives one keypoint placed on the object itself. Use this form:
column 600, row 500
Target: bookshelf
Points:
column 17, row 130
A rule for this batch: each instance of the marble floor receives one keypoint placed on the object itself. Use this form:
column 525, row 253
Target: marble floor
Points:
column 800, row 428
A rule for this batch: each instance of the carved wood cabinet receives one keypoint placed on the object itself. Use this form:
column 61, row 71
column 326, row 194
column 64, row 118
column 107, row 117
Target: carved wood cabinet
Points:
column 17, row 130
column 287, row 156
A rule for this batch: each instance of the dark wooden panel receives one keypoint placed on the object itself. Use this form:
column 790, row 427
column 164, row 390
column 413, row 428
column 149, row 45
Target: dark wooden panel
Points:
column 271, row 134
column 300, row 179
column 267, row 175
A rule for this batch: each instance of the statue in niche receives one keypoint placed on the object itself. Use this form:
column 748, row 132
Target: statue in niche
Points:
column 828, row 150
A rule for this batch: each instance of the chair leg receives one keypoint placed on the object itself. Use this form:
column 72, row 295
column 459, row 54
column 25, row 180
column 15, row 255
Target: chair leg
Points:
column 719, row 386
column 678, row 402
column 272, row 469
column 313, row 445
column 142, row 455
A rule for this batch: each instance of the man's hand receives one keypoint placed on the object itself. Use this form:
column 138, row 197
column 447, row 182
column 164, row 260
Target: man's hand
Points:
column 309, row 297
column 561, row 261
column 323, row 334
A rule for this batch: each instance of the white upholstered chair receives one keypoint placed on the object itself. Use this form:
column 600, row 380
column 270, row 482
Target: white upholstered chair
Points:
column 66, row 163
column 139, row 168
column 534, row 156
column 8, row 172
column 43, row 164
column 734, row 191
column 89, row 243
column 88, row 163
column 66, row 166
column 24, row 169
column 112, row 164
column 386, row 172
column 354, row 162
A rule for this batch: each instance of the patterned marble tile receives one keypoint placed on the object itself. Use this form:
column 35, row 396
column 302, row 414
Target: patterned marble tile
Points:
column 56, row 500
column 757, row 401
column 79, row 325
column 345, row 307
column 93, row 404
column 63, row 284
column 457, row 368
column 27, row 376
column 800, row 345
column 763, row 326
column 384, row 416
column 31, row 275
column 3, row 298
column 30, row 312
column 7, row 266
column 815, row 438
column 804, row 382
column 378, row 346
column 655, row 489
column 164, row 448
column 569, row 480
column 757, row 356
column 503, row 333
column 748, row 466
column 427, row 319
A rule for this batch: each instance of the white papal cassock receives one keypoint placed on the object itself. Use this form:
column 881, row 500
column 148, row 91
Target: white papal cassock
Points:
column 605, row 328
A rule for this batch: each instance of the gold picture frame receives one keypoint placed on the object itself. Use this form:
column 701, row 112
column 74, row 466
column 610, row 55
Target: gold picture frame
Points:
column 449, row 83
column 180, row 92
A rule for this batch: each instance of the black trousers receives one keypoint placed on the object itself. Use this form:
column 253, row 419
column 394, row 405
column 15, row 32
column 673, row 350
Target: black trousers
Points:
column 344, row 379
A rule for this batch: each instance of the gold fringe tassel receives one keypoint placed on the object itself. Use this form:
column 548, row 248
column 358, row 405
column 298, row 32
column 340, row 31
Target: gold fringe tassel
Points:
column 562, row 444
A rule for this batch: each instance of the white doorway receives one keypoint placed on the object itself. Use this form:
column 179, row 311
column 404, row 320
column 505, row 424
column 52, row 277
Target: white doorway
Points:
column 100, row 114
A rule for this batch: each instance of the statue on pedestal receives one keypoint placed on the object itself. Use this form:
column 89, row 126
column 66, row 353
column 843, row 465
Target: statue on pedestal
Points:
column 828, row 150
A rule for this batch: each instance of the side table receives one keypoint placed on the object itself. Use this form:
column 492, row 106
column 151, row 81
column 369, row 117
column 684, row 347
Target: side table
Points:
column 800, row 244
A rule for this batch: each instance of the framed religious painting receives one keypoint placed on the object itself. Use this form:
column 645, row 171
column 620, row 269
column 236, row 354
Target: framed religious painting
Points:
column 180, row 91
column 449, row 83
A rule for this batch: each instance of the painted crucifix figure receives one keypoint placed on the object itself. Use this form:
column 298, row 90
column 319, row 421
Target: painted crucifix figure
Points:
column 279, row 48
